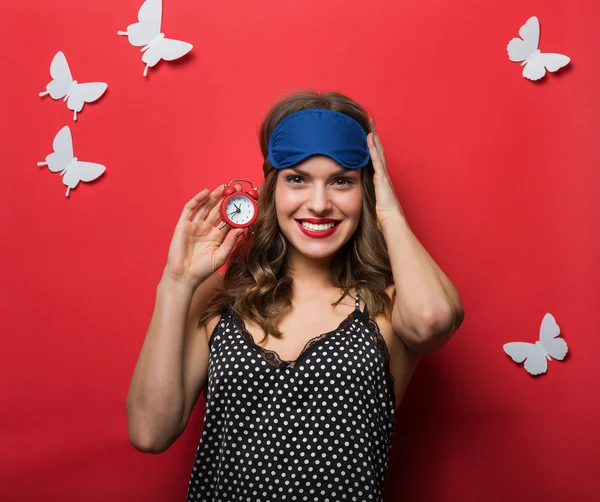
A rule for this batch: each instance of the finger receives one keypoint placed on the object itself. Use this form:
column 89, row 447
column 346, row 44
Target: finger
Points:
column 208, row 203
column 228, row 243
column 378, row 143
column 375, row 157
column 214, row 215
column 380, row 148
column 192, row 205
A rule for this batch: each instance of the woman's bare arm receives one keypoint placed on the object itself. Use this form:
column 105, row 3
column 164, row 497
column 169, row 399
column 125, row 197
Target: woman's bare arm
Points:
column 172, row 367
column 196, row 351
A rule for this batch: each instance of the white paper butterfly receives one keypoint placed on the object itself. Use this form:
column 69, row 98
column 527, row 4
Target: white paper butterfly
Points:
column 526, row 50
column 62, row 160
column 63, row 86
column 536, row 355
column 147, row 33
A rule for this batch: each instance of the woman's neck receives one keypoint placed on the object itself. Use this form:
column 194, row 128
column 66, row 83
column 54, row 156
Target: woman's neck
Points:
column 309, row 273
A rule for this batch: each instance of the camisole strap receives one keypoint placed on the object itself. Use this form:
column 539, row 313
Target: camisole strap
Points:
column 357, row 302
column 357, row 305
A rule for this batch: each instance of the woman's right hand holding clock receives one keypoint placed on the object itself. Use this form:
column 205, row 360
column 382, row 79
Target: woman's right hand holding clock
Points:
column 199, row 248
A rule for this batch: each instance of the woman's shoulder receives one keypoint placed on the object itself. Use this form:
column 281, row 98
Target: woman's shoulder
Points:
column 212, row 323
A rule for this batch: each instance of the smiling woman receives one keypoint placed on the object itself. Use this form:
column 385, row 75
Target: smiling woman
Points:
column 281, row 318
column 298, row 347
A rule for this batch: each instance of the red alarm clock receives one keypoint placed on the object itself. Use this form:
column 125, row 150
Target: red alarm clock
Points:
column 238, row 209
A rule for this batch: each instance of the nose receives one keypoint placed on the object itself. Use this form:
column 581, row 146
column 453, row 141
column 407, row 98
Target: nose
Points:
column 318, row 201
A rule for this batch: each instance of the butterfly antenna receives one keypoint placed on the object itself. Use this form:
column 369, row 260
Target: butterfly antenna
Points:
column 121, row 32
column 75, row 116
column 44, row 93
column 146, row 71
column 68, row 189
column 42, row 163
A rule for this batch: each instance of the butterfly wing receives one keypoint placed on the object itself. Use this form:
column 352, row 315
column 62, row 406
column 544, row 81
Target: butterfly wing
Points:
column 552, row 343
column 61, row 77
column 82, row 171
column 534, row 357
column 166, row 49
column 537, row 66
column 63, row 151
column 554, row 62
column 85, row 93
column 148, row 27
column 520, row 50
column 534, row 69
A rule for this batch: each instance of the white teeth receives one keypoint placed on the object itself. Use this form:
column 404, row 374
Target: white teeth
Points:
column 310, row 226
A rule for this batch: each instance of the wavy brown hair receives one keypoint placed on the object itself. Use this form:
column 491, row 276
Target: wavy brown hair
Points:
column 257, row 285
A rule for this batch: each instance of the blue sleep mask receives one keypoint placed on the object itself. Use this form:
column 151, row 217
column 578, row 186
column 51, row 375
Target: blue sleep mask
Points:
column 318, row 132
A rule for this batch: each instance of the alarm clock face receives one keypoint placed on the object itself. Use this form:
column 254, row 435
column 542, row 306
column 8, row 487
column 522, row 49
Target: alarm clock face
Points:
column 239, row 209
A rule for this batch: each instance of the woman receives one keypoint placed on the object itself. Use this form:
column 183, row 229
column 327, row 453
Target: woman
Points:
column 308, row 341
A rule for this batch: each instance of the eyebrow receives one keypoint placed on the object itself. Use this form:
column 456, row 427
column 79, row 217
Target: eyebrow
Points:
column 335, row 173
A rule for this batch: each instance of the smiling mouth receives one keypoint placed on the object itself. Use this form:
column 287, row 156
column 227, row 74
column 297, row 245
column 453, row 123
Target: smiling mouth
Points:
column 318, row 227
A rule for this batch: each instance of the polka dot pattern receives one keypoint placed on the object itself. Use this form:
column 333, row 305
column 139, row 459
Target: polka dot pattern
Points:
column 319, row 428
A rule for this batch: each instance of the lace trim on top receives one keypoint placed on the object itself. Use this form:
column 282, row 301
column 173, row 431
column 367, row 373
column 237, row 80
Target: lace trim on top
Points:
column 380, row 342
column 275, row 360
column 271, row 356
column 383, row 349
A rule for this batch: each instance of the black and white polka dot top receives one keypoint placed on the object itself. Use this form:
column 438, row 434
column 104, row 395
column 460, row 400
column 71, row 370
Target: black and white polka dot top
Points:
column 318, row 428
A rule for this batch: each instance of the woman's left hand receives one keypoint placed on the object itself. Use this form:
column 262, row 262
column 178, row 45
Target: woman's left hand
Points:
column 387, row 201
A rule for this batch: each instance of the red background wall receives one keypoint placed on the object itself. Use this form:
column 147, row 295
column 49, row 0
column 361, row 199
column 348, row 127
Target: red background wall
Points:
column 498, row 177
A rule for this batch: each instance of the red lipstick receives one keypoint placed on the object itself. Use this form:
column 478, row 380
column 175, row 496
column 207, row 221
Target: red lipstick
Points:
column 318, row 234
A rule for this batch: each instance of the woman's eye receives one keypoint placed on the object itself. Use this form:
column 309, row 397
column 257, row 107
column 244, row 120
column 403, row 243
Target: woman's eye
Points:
column 346, row 181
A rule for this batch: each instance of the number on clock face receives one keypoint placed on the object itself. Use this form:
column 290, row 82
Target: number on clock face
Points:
column 239, row 209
